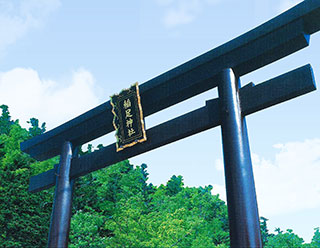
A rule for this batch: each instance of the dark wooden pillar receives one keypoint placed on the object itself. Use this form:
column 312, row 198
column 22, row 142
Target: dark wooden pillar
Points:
column 241, row 195
column 61, row 212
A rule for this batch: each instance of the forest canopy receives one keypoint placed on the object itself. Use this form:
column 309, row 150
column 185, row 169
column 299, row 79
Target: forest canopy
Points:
column 113, row 207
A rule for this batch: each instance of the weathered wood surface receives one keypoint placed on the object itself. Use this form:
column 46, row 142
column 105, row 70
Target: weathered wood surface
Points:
column 275, row 39
column 253, row 98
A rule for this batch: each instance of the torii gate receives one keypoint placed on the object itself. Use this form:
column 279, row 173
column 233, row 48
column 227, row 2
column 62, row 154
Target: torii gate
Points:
column 220, row 67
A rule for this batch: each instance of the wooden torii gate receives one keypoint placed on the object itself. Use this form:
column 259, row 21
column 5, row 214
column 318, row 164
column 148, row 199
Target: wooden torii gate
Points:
column 221, row 67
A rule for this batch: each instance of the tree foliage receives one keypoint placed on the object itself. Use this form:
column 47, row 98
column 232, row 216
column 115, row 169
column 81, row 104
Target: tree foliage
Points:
column 126, row 211
column 24, row 217
column 284, row 239
column 316, row 238
column 113, row 207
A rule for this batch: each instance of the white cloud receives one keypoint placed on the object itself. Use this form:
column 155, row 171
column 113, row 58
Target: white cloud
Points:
column 288, row 184
column 287, row 4
column 219, row 165
column 53, row 102
column 291, row 182
column 182, row 15
column 219, row 190
column 18, row 17
column 182, row 11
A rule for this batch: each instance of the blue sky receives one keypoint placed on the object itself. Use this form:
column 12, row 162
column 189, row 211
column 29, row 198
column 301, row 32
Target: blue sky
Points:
column 59, row 59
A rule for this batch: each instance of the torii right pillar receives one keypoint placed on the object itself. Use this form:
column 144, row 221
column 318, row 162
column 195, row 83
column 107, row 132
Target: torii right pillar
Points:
column 241, row 195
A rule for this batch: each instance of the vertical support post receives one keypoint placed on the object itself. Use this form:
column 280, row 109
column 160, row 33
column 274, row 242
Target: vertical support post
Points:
column 241, row 195
column 61, row 212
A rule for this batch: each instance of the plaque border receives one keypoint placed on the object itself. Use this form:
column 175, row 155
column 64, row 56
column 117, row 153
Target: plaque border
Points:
column 144, row 135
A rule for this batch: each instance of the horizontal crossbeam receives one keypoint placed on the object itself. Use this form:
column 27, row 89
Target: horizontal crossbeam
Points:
column 252, row 98
column 275, row 39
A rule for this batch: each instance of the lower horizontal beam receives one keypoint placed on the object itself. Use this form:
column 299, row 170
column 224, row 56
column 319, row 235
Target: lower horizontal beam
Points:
column 252, row 98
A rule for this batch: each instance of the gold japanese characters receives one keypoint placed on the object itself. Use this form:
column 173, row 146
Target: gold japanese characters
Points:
column 128, row 118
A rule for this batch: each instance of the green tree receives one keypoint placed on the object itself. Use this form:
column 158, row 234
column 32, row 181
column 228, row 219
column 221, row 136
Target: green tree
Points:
column 174, row 185
column 264, row 230
column 126, row 211
column 35, row 130
column 24, row 217
column 113, row 207
column 5, row 120
column 284, row 239
column 315, row 243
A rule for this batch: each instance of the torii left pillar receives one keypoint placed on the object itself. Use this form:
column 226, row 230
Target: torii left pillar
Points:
column 61, row 212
